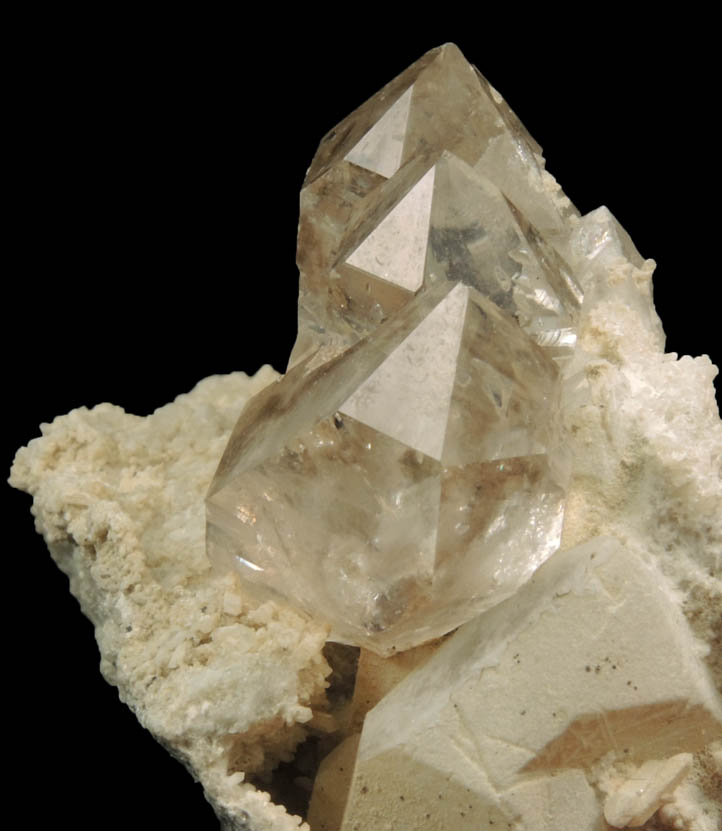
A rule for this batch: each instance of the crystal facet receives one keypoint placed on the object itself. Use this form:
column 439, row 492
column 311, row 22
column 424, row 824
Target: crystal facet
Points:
column 404, row 486
column 408, row 472
column 432, row 178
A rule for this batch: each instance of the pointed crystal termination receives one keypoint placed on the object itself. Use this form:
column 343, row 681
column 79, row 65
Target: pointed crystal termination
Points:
column 453, row 224
column 376, row 194
column 404, row 486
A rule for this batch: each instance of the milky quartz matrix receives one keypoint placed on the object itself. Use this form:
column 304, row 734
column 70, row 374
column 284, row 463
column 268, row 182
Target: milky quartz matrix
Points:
column 409, row 470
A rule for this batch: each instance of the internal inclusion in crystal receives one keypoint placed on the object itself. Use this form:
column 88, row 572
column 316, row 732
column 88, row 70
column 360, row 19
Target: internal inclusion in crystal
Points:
column 453, row 224
column 407, row 472
column 432, row 178
column 404, row 486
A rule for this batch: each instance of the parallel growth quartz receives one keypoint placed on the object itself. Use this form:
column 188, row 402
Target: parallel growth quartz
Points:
column 407, row 472
column 433, row 178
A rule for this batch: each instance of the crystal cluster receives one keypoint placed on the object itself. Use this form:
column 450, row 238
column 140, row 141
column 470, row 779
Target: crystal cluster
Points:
column 432, row 179
column 407, row 472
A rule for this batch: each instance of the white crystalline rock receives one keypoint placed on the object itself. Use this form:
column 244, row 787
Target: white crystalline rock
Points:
column 661, row 793
column 119, row 499
column 646, row 436
column 592, row 655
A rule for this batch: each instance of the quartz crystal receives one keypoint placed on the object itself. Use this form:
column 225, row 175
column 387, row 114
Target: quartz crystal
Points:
column 408, row 471
column 433, row 178
column 404, row 486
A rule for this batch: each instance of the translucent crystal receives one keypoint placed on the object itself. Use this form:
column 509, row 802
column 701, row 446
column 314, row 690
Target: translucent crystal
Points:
column 402, row 487
column 407, row 471
column 432, row 178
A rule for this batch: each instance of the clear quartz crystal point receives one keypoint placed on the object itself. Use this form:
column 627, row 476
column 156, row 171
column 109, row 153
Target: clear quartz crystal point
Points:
column 434, row 177
column 405, row 485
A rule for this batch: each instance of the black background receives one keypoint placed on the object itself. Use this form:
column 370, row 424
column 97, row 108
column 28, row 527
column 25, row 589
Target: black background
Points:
column 153, row 233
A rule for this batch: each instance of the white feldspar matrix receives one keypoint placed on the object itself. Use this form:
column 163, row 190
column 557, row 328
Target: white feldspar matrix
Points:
column 591, row 656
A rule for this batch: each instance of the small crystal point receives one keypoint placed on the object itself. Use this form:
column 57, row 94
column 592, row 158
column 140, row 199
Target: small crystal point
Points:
column 385, row 490
column 451, row 223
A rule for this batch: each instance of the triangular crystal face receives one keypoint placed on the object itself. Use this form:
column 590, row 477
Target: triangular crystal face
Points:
column 409, row 394
column 377, row 490
column 384, row 151
column 395, row 250
column 381, row 149
column 438, row 102
column 451, row 223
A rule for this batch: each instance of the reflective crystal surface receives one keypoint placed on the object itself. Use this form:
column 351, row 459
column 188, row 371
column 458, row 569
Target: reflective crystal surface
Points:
column 405, row 485
column 432, row 178
column 407, row 472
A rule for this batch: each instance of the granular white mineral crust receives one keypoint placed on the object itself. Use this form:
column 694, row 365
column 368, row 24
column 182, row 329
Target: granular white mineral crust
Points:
column 589, row 699
column 119, row 499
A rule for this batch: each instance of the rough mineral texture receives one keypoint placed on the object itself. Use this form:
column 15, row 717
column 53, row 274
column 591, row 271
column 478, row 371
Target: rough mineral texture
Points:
column 119, row 499
column 591, row 656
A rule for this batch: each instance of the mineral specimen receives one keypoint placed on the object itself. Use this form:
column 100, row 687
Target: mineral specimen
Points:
column 590, row 698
